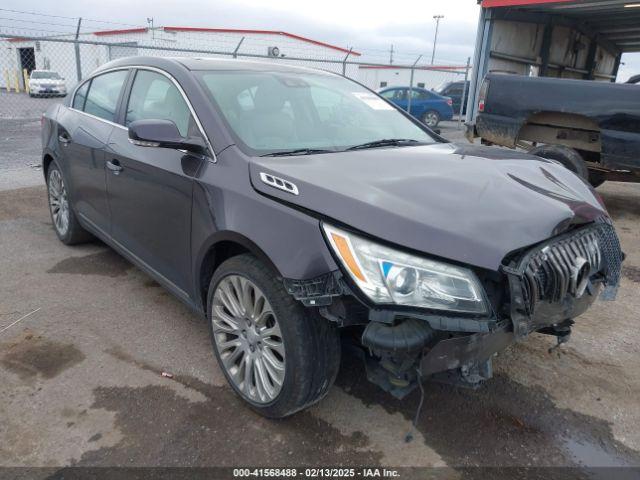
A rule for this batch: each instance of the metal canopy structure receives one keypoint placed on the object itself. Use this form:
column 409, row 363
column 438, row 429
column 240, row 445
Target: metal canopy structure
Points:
column 580, row 39
column 615, row 22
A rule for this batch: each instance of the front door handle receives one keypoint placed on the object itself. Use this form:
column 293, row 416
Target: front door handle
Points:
column 64, row 138
column 114, row 166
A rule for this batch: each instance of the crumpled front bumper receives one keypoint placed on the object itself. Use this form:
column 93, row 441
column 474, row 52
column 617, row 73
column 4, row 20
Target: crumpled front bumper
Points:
column 457, row 352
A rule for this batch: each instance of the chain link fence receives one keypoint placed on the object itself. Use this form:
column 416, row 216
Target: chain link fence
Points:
column 37, row 71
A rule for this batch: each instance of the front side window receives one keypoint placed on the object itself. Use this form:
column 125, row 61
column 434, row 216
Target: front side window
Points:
column 39, row 75
column 154, row 96
column 102, row 100
column 81, row 96
column 270, row 111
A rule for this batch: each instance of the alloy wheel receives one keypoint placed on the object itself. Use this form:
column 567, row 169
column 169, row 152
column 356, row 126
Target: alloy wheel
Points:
column 431, row 119
column 248, row 339
column 58, row 202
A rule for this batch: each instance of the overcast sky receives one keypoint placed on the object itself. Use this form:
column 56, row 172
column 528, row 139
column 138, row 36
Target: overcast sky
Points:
column 407, row 25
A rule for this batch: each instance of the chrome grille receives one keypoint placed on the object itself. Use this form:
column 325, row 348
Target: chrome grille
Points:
column 567, row 266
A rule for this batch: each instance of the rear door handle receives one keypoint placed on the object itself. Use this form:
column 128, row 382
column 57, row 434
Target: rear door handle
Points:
column 64, row 138
column 114, row 166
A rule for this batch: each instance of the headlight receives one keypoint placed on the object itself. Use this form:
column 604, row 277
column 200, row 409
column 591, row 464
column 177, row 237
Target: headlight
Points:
column 386, row 275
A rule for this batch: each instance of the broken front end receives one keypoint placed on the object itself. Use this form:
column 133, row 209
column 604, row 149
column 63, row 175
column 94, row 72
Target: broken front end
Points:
column 446, row 321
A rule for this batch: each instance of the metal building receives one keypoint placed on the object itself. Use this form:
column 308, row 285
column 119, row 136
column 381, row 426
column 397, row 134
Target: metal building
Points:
column 582, row 39
column 59, row 53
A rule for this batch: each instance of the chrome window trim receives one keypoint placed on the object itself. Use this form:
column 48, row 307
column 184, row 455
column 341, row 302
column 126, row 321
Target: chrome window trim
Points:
column 157, row 70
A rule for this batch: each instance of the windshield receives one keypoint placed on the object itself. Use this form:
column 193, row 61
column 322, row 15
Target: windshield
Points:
column 283, row 111
column 48, row 75
column 440, row 88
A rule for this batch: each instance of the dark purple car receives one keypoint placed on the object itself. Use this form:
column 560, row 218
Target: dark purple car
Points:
column 290, row 207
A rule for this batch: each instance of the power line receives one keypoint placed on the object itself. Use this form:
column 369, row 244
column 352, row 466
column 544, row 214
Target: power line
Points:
column 25, row 12
column 32, row 29
column 35, row 21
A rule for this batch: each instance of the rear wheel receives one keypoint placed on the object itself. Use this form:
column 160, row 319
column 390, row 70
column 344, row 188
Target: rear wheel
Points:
column 431, row 118
column 65, row 222
column 278, row 356
column 568, row 157
column 596, row 178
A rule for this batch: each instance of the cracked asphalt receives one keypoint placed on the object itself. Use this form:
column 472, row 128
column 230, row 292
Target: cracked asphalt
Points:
column 82, row 385
column 82, row 380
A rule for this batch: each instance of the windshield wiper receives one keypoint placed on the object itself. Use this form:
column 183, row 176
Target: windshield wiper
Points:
column 299, row 151
column 385, row 142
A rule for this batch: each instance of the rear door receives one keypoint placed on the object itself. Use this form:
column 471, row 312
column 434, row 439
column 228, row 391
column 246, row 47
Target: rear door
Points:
column 150, row 188
column 83, row 133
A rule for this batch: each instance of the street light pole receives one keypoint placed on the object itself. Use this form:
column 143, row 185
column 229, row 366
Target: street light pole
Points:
column 435, row 40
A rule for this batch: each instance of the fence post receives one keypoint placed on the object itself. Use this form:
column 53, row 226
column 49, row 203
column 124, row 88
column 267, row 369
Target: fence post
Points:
column 25, row 75
column 235, row 52
column 344, row 62
column 463, row 100
column 411, row 85
column 16, row 77
column 77, row 48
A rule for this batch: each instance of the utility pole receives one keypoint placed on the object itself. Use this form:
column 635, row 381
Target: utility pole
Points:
column 391, row 55
column 435, row 40
column 150, row 23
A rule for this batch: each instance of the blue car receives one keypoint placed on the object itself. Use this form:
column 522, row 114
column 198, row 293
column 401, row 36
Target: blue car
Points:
column 427, row 106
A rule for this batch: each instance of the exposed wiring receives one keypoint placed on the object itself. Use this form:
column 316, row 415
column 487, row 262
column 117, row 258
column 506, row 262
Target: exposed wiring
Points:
column 414, row 425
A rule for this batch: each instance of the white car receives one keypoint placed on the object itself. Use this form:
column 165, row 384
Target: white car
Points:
column 46, row 82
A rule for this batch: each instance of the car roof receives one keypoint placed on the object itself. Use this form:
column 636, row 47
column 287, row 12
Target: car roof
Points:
column 403, row 87
column 210, row 64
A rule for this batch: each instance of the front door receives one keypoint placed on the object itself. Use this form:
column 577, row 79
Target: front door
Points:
column 150, row 188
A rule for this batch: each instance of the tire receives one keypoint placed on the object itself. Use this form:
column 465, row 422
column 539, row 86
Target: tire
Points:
column 310, row 343
column 65, row 222
column 431, row 118
column 596, row 178
column 568, row 157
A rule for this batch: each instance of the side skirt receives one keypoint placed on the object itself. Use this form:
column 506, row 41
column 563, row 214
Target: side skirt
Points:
column 138, row 262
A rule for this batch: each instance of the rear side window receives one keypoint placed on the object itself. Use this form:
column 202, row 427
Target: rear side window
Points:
column 81, row 96
column 420, row 95
column 154, row 96
column 104, row 92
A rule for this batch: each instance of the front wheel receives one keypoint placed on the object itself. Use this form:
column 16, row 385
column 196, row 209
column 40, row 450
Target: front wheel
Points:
column 278, row 356
column 431, row 118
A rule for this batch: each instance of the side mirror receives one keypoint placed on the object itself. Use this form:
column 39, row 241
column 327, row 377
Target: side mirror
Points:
column 162, row 133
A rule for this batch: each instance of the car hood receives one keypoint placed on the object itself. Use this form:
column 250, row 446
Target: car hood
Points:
column 466, row 203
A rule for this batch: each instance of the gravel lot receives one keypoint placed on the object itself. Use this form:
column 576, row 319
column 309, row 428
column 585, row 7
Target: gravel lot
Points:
column 82, row 385
column 20, row 139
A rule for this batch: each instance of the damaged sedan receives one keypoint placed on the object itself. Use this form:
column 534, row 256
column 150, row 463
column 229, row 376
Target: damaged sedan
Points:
column 292, row 207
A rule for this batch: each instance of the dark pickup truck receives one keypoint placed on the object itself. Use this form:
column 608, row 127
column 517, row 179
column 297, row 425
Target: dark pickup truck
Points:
column 592, row 128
